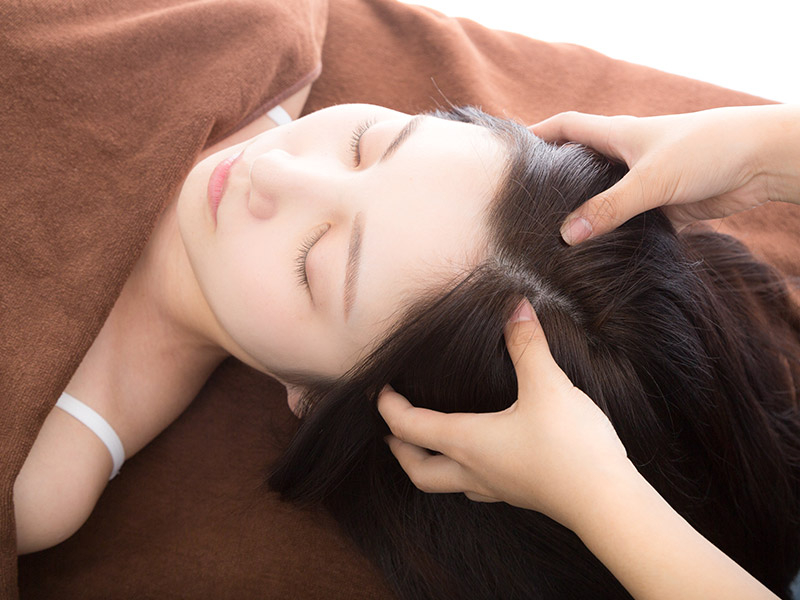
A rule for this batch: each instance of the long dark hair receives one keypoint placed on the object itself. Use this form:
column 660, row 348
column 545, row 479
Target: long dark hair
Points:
column 686, row 342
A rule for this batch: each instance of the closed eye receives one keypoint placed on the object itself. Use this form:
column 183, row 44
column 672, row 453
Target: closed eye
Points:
column 302, row 256
column 355, row 139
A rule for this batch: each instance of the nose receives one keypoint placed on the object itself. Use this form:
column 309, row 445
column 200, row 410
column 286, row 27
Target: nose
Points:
column 282, row 180
column 268, row 179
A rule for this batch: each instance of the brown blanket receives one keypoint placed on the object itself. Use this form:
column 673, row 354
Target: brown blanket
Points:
column 104, row 106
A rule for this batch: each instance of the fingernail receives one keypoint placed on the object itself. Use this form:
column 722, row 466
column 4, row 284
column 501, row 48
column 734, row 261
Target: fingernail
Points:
column 576, row 230
column 524, row 312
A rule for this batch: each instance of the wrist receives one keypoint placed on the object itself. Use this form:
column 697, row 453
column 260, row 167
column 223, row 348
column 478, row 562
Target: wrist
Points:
column 601, row 493
column 653, row 551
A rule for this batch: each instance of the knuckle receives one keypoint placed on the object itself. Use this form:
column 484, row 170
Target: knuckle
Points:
column 399, row 429
column 522, row 333
column 605, row 209
column 404, row 424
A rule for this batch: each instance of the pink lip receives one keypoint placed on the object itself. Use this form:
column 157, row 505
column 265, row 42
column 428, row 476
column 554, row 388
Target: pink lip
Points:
column 217, row 182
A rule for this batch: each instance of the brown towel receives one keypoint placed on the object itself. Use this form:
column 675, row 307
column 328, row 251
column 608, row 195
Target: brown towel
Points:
column 104, row 106
column 186, row 517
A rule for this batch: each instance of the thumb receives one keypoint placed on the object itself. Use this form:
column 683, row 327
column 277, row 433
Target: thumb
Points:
column 606, row 211
column 527, row 346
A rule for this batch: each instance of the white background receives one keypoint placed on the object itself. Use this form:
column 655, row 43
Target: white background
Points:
column 752, row 46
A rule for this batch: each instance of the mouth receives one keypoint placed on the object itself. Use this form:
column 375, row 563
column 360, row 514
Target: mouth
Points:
column 218, row 181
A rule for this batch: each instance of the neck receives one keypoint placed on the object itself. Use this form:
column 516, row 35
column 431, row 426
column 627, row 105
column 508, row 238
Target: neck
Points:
column 162, row 295
column 158, row 346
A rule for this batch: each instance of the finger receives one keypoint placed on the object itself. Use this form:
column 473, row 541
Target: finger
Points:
column 589, row 130
column 430, row 473
column 419, row 426
column 630, row 196
column 528, row 347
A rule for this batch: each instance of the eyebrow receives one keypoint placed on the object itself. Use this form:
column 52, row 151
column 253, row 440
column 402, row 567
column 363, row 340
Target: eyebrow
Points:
column 404, row 134
column 354, row 251
column 351, row 270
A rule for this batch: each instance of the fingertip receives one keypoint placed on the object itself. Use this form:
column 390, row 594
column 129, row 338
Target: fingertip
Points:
column 522, row 325
column 525, row 339
column 564, row 126
column 547, row 128
column 599, row 214
column 523, row 312
column 576, row 229
column 389, row 401
column 389, row 393
column 541, row 125
column 403, row 451
column 410, row 456
column 396, row 447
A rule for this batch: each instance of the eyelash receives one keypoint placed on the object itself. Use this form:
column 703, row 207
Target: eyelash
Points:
column 355, row 139
column 305, row 248
column 308, row 243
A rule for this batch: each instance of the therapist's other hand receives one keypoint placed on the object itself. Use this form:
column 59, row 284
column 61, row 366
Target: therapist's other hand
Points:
column 547, row 452
column 703, row 165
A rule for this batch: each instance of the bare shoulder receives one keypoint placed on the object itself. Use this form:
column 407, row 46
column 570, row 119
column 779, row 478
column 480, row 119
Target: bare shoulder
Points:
column 59, row 484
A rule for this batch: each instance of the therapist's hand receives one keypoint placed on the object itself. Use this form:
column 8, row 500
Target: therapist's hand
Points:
column 554, row 451
column 550, row 451
column 703, row 165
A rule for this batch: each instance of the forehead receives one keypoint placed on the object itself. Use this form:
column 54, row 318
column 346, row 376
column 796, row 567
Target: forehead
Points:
column 426, row 225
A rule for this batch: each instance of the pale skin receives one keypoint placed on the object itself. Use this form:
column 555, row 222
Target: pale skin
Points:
column 185, row 340
column 236, row 282
column 68, row 466
column 553, row 450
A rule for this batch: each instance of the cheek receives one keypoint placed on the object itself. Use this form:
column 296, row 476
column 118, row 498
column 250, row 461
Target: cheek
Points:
column 192, row 226
column 272, row 321
column 261, row 312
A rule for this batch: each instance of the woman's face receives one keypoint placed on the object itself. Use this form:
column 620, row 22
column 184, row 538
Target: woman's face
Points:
column 327, row 226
